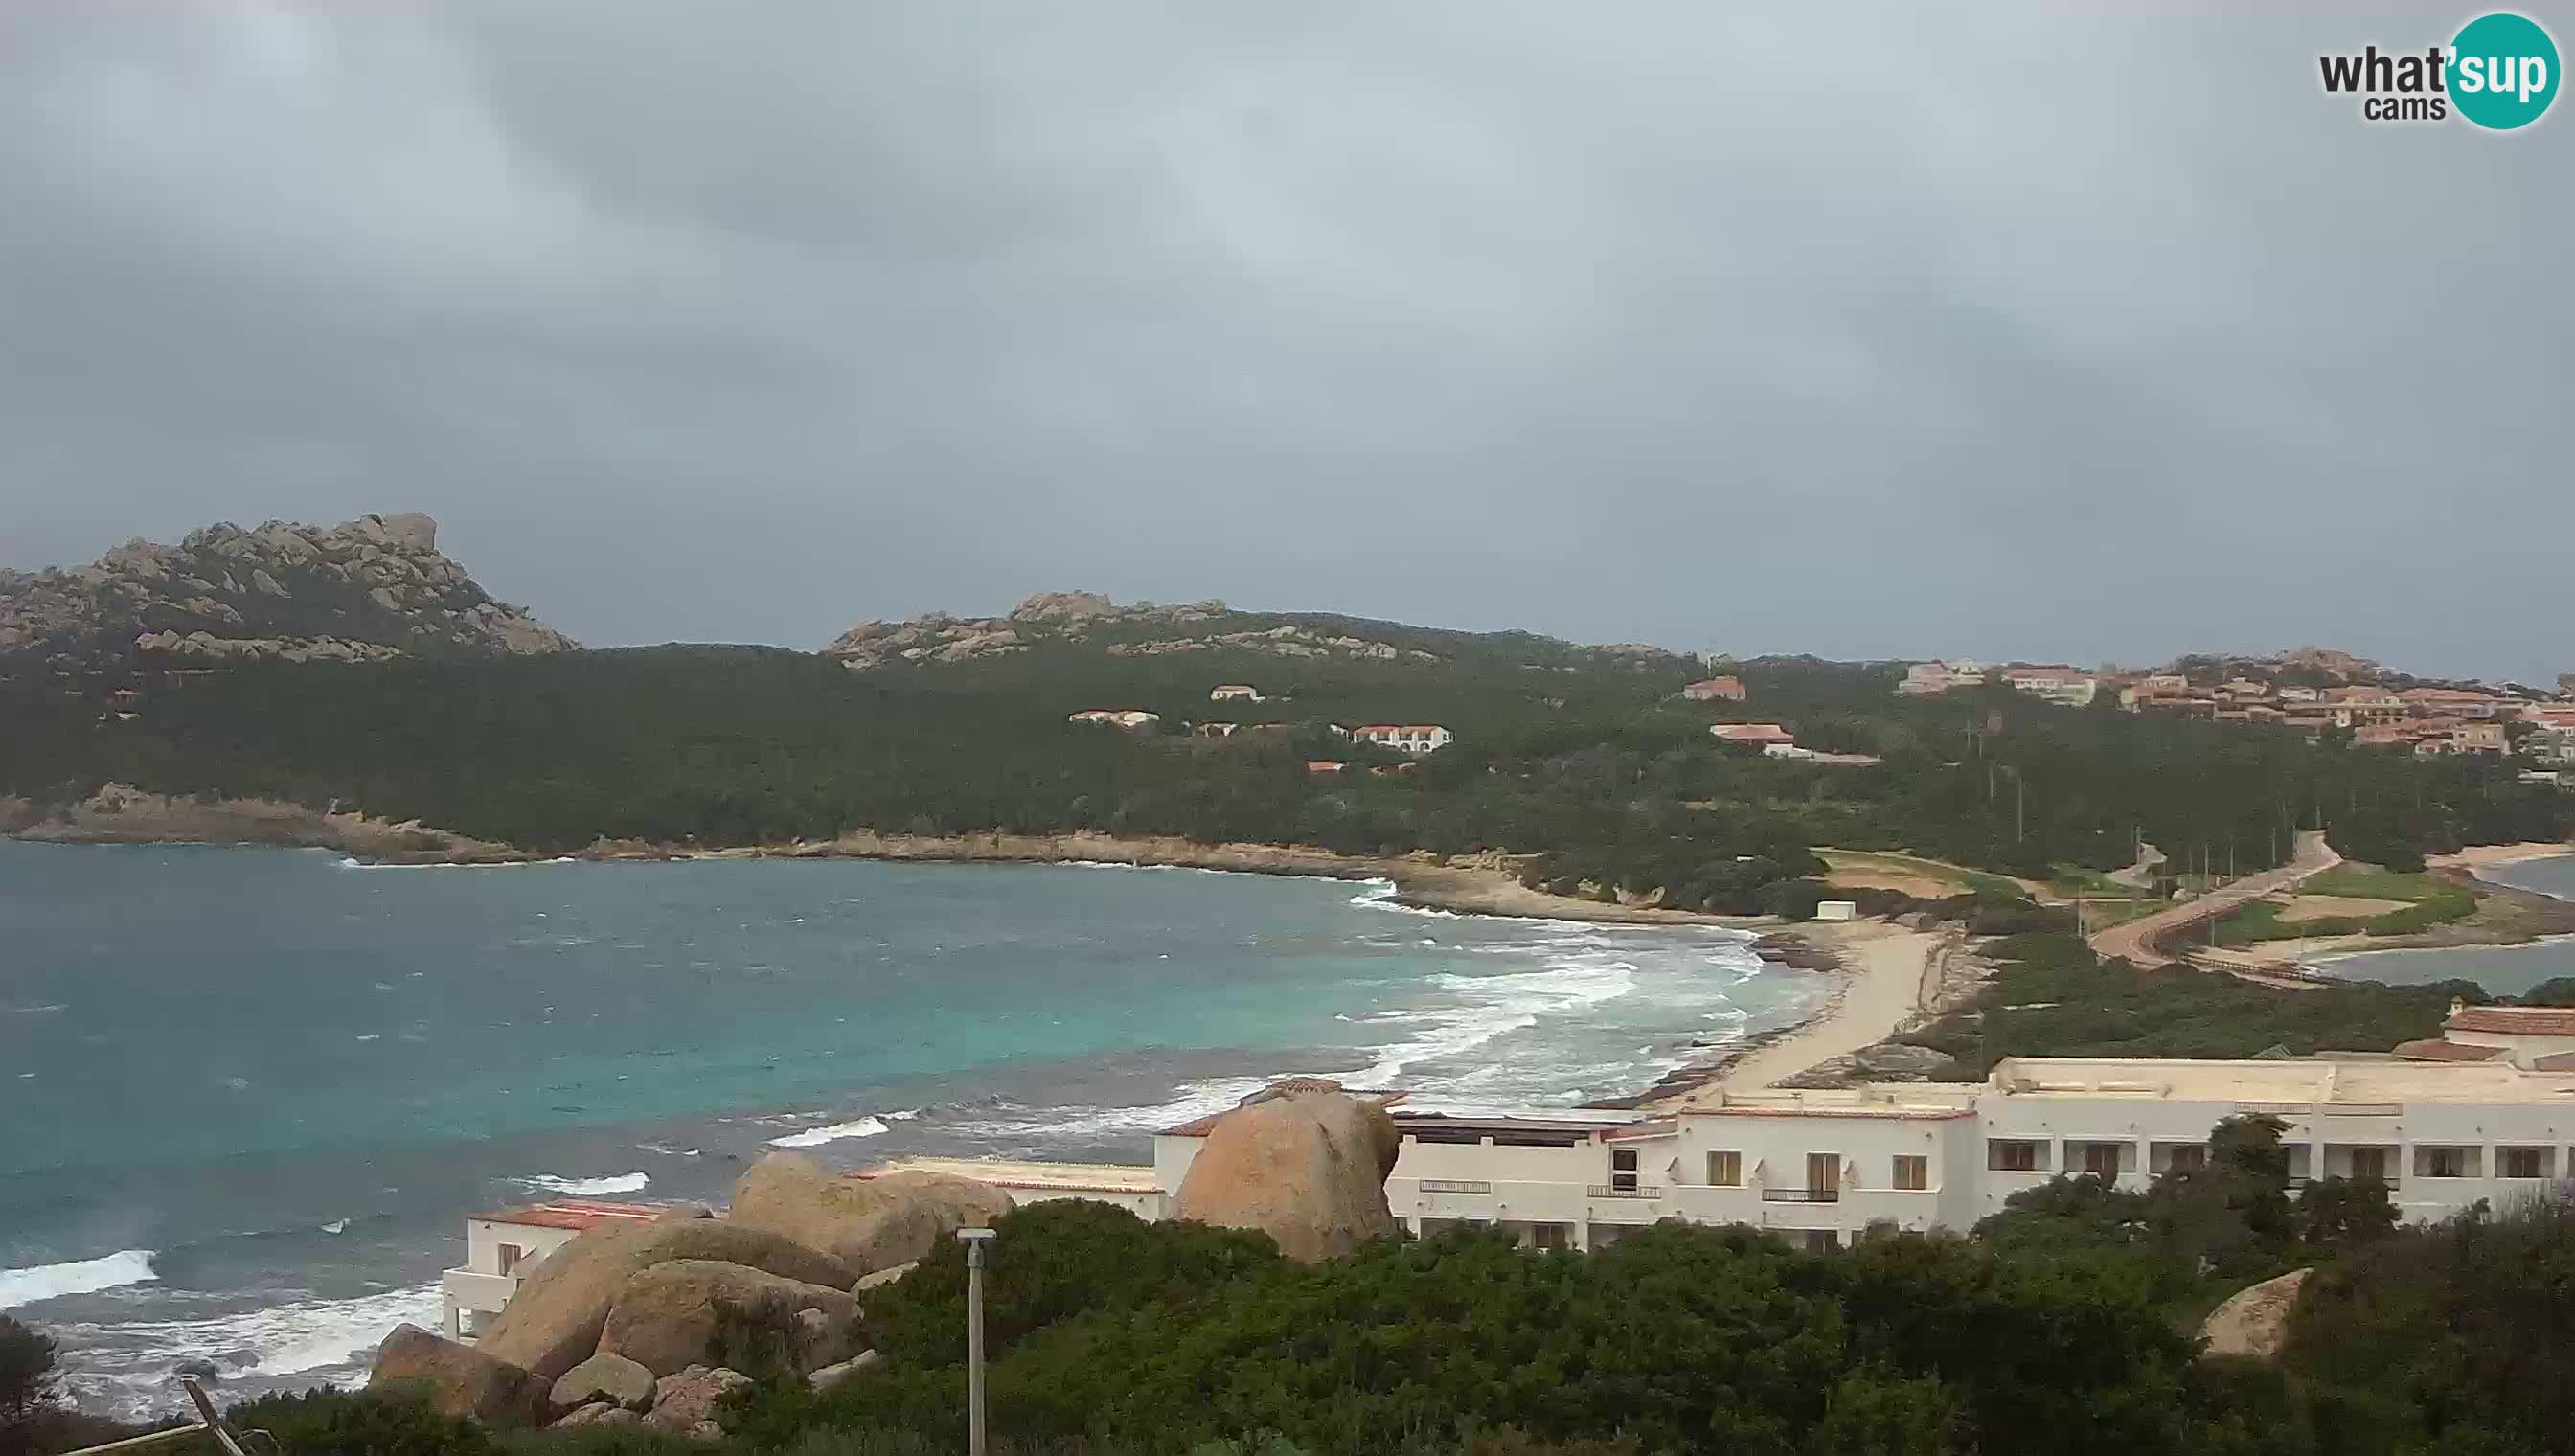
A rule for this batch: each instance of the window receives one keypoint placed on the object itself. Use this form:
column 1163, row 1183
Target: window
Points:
column 1549, row 1235
column 2440, row 1162
column 2102, row 1159
column 1726, row 1169
column 1823, row 1176
column 2004, row 1155
column 2370, row 1163
column 511, row 1254
column 1822, row 1240
column 1913, row 1172
column 2190, row 1157
column 2521, row 1162
column 1623, row 1169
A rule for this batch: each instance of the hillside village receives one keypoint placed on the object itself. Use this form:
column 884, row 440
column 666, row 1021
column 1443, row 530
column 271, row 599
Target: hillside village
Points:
column 2295, row 691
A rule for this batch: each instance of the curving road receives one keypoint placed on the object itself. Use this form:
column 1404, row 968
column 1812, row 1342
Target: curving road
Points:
column 2139, row 940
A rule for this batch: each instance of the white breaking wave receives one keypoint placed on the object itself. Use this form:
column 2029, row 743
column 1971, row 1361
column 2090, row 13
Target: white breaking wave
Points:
column 1064, row 1124
column 815, row 1137
column 1500, row 1004
column 127, row 1366
column 79, row 1276
column 586, row 1187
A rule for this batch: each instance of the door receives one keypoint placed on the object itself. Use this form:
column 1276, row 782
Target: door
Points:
column 1824, row 1177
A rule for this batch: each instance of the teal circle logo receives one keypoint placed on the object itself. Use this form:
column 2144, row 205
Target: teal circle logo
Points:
column 2503, row 71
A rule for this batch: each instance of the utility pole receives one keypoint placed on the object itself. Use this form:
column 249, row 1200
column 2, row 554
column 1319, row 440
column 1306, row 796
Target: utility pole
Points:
column 975, row 1239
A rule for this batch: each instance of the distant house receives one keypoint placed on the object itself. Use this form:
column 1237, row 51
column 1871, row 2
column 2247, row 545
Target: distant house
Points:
column 1925, row 679
column 2054, row 683
column 1816, row 755
column 1133, row 720
column 1406, row 738
column 1713, row 689
column 1218, row 730
column 504, row 1245
column 1325, row 766
column 2358, row 707
column 1232, row 691
column 2451, row 702
column 1752, row 732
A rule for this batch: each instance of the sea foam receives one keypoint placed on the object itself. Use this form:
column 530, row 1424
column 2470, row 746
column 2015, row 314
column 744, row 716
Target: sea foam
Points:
column 815, row 1137
column 79, row 1276
column 589, row 1187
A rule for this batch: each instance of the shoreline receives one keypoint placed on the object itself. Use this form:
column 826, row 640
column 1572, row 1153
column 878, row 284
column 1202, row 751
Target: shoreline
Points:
column 1887, row 980
column 2506, row 914
column 1486, row 883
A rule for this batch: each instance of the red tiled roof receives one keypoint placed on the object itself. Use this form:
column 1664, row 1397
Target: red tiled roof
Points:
column 2555, row 1061
column 2514, row 1020
column 2437, row 1049
column 576, row 1213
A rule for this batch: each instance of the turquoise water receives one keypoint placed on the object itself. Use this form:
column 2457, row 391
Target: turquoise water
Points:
column 2501, row 969
column 249, row 1094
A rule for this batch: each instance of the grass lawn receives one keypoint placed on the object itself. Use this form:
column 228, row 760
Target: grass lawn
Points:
column 2428, row 902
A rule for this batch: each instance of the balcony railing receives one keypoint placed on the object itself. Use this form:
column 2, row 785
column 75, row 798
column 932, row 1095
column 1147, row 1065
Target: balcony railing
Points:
column 1801, row 1196
column 1614, row 1190
column 1453, row 1185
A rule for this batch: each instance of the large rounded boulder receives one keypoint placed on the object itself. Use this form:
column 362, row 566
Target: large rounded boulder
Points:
column 868, row 1223
column 667, row 1317
column 2255, row 1321
column 1305, row 1164
column 553, row 1322
column 461, row 1380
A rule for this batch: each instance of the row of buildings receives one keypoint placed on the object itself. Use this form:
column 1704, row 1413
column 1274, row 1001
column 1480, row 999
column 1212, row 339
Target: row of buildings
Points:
column 2486, row 1111
column 1776, row 741
column 2426, row 721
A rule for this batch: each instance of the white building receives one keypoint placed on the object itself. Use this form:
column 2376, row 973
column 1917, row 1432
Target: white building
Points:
column 504, row 1246
column 1820, row 1166
column 1234, row 691
column 1406, row 738
column 1129, row 719
column 2055, row 684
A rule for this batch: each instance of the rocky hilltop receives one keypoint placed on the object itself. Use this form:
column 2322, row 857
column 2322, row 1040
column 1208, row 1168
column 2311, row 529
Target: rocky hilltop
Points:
column 1088, row 619
column 376, row 587
column 1139, row 630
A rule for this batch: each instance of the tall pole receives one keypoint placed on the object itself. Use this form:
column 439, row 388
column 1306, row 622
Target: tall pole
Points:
column 975, row 1239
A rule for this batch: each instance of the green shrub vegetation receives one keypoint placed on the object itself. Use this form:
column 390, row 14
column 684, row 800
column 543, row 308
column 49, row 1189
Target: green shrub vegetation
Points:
column 2052, row 996
column 2065, row 1324
column 1586, row 761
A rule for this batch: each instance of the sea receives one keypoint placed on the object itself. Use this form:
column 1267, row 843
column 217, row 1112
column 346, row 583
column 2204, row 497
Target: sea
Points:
column 2504, row 970
column 247, row 1096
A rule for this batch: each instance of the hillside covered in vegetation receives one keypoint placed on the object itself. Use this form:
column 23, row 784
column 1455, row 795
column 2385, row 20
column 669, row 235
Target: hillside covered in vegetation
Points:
column 1588, row 760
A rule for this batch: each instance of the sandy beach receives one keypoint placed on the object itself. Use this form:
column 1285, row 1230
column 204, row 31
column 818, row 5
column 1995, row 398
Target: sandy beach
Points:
column 1886, row 978
column 2477, row 857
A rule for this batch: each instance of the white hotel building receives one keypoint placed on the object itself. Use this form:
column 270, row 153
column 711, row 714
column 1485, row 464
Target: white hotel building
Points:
column 2486, row 1111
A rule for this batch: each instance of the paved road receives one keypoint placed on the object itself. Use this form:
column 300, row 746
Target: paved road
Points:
column 2138, row 938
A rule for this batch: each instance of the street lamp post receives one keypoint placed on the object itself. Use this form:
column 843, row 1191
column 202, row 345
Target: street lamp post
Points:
column 975, row 1239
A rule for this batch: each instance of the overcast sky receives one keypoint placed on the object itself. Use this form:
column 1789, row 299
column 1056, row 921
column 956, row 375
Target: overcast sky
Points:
column 2048, row 332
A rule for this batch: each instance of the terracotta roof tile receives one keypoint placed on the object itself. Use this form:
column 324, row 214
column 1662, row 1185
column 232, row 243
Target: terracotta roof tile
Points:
column 2437, row 1049
column 2515, row 1020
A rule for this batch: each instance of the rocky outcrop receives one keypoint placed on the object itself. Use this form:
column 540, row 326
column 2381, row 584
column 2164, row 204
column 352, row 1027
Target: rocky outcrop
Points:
column 600, row 1414
column 2255, row 1321
column 368, row 588
column 119, row 813
column 461, row 1380
column 867, row 1223
column 685, row 1401
column 833, row 1375
column 666, row 1318
column 555, row 1320
column 1303, row 1162
column 609, row 1377
column 1140, row 629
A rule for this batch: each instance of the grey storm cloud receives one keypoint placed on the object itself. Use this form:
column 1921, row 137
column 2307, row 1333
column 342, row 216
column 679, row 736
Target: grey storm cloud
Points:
column 2039, row 330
